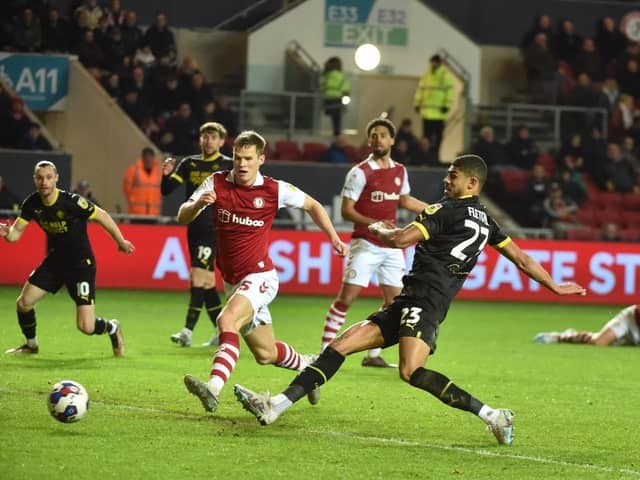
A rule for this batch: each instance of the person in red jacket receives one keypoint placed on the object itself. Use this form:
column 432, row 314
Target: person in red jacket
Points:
column 141, row 185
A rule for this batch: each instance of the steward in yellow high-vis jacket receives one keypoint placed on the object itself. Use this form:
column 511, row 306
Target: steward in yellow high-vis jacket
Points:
column 433, row 100
column 335, row 85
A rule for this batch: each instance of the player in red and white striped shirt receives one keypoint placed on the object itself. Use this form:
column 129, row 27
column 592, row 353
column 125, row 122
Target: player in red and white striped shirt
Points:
column 373, row 191
column 244, row 204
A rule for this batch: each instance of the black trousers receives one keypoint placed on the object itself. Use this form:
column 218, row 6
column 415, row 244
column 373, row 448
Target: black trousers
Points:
column 333, row 108
column 432, row 129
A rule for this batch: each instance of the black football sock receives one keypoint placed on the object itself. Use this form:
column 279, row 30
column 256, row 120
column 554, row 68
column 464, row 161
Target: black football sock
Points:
column 195, row 304
column 27, row 322
column 444, row 389
column 101, row 326
column 315, row 375
column 213, row 304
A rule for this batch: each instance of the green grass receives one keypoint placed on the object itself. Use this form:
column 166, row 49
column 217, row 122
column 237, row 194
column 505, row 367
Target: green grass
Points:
column 577, row 406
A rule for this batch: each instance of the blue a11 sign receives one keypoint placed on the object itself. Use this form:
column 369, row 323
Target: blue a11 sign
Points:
column 40, row 80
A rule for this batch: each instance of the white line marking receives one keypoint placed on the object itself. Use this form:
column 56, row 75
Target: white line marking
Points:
column 475, row 451
column 372, row 439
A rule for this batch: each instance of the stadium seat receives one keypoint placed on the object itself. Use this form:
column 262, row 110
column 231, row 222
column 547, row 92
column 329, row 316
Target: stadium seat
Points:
column 607, row 215
column 312, row 151
column 588, row 217
column 514, row 181
column 630, row 234
column 583, row 234
column 607, row 200
column 631, row 201
column 630, row 219
column 288, row 150
column 352, row 153
column 548, row 162
column 590, row 185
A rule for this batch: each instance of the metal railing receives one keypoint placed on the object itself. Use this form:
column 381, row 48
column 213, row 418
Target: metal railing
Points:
column 553, row 115
column 293, row 112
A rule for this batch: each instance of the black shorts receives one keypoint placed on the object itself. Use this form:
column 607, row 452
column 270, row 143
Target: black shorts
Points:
column 403, row 319
column 80, row 280
column 202, row 249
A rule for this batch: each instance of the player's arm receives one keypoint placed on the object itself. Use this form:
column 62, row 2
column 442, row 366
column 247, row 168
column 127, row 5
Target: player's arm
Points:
column 349, row 213
column 106, row 221
column 320, row 217
column 534, row 270
column 397, row 237
column 203, row 196
column 412, row 204
column 12, row 233
column 170, row 179
column 190, row 209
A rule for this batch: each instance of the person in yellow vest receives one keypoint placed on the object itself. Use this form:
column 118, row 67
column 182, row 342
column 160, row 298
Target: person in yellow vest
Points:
column 141, row 185
column 433, row 100
column 334, row 86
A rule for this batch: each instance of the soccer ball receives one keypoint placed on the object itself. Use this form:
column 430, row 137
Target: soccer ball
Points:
column 68, row 401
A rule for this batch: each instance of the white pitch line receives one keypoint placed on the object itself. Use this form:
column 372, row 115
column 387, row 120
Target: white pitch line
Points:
column 395, row 441
column 476, row 451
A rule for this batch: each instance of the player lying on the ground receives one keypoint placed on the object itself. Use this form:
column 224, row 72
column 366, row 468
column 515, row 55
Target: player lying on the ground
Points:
column 450, row 236
column 622, row 329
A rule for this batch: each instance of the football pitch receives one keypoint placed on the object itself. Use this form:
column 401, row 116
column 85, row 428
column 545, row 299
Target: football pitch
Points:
column 576, row 407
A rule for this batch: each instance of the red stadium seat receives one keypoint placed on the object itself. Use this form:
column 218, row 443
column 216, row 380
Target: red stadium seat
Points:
column 288, row 150
column 548, row 162
column 583, row 234
column 352, row 153
column 514, row 181
column 630, row 234
column 587, row 217
column 631, row 201
column 607, row 200
column 363, row 152
column 608, row 215
column 312, row 151
column 630, row 219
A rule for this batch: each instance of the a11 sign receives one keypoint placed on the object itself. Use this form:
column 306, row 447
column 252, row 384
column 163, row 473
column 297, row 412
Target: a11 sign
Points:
column 40, row 80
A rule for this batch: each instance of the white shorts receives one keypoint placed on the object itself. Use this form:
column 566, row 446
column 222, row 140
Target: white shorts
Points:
column 365, row 259
column 260, row 289
column 625, row 327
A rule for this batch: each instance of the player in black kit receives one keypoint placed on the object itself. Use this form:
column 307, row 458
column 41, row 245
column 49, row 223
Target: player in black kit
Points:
column 450, row 235
column 69, row 261
column 191, row 172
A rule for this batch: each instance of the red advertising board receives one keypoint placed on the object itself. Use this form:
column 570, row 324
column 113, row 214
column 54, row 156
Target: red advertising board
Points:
column 307, row 264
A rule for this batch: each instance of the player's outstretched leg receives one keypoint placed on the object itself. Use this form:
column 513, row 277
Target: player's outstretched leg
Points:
column 267, row 409
column 27, row 322
column 201, row 390
column 314, row 395
column 117, row 338
column 258, row 404
column 224, row 361
column 499, row 421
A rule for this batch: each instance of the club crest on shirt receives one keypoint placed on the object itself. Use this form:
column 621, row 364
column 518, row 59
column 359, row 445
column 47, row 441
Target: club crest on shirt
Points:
column 60, row 214
column 258, row 202
column 433, row 208
column 397, row 181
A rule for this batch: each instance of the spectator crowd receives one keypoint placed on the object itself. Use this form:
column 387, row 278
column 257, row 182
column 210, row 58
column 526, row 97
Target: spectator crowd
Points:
column 136, row 67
